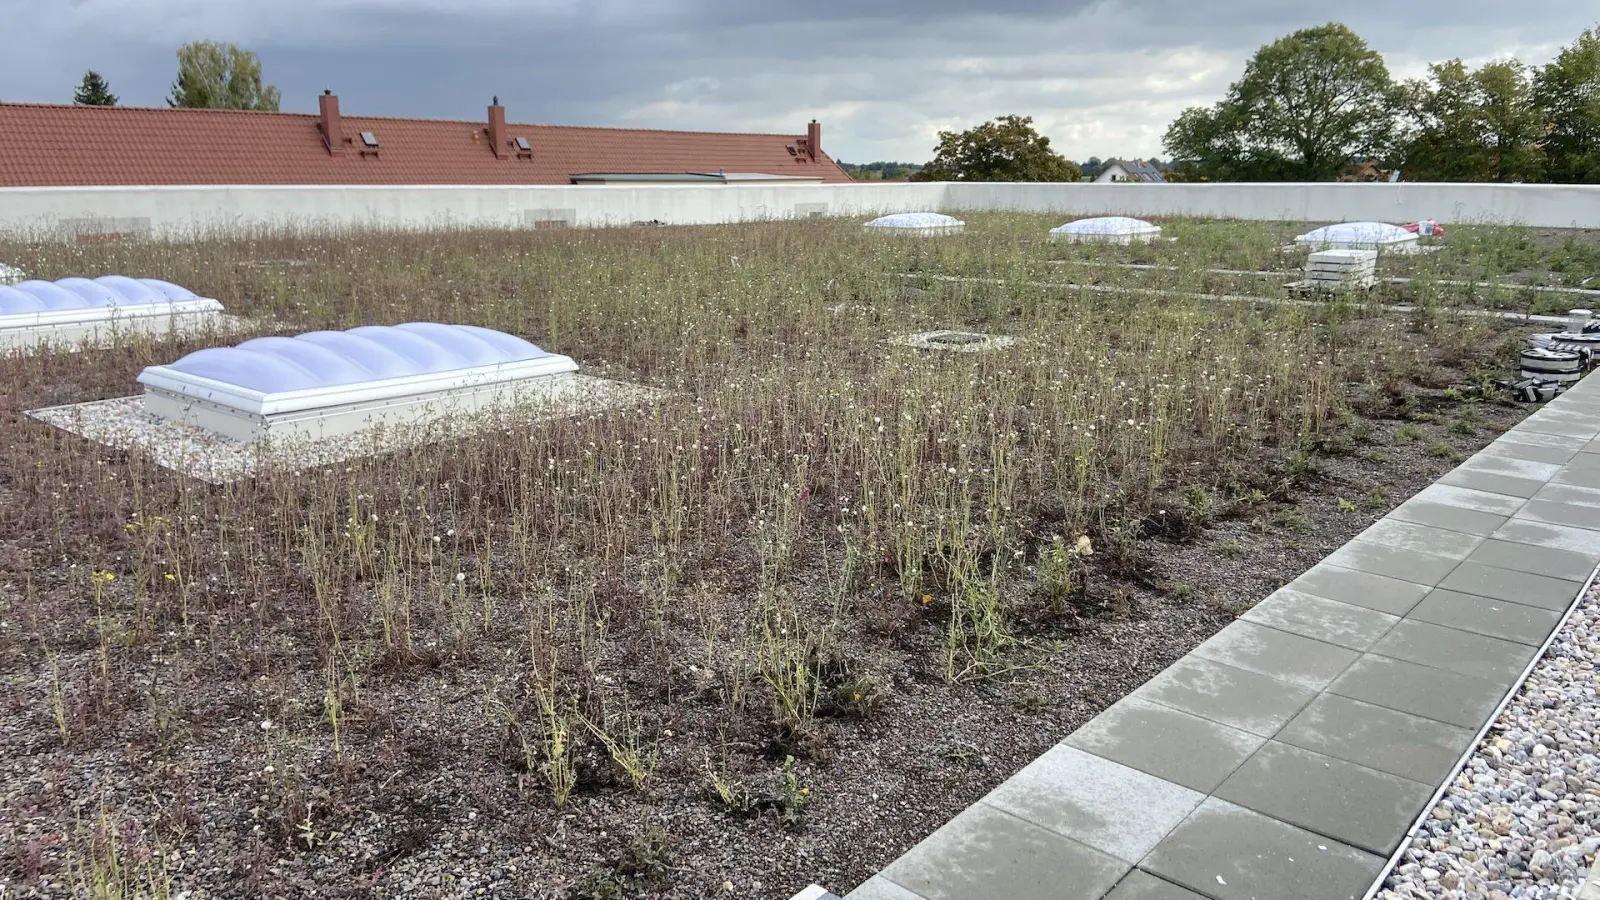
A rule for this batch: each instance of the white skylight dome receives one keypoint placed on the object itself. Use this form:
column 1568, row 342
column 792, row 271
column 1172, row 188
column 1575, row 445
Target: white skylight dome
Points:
column 73, row 310
column 1106, row 230
column 925, row 223
column 328, row 383
column 1360, row 236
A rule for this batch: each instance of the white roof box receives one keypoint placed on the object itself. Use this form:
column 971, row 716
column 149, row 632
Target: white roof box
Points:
column 1360, row 236
column 75, row 310
column 923, row 223
column 1107, row 230
column 329, row 383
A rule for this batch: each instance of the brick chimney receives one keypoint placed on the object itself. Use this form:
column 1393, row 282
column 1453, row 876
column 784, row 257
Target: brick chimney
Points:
column 497, row 129
column 814, row 140
column 332, row 130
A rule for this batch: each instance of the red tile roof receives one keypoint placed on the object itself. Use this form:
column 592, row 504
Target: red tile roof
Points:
column 43, row 145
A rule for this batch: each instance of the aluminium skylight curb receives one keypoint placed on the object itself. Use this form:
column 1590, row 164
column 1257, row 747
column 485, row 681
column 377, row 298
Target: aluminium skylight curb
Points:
column 329, row 383
column 922, row 224
column 1107, row 230
column 73, row 312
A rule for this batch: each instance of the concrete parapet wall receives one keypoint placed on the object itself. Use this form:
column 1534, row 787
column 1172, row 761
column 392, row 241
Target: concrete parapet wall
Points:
column 187, row 209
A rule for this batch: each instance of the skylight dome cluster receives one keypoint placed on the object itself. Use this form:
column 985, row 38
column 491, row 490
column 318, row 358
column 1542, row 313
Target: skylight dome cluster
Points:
column 330, row 383
column 1360, row 236
column 1106, row 230
column 74, row 310
column 917, row 223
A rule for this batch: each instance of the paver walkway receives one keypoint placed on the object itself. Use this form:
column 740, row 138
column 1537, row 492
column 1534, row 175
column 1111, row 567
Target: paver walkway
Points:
column 1287, row 756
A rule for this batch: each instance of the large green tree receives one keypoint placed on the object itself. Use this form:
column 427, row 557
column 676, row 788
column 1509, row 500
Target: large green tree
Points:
column 1478, row 125
column 1567, row 92
column 1005, row 149
column 1307, row 106
column 93, row 91
column 213, row 75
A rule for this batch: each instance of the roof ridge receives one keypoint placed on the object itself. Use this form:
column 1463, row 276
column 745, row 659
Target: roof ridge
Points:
column 102, row 110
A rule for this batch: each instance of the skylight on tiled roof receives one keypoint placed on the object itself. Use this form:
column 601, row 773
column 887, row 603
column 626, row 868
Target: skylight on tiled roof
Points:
column 368, row 138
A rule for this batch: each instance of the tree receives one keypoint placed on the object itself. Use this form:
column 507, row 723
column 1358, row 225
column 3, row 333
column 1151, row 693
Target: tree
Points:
column 93, row 91
column 1005, row 149
column 1567, row 92
column 220, row 76
column 1307, row 106
column 1474, row 126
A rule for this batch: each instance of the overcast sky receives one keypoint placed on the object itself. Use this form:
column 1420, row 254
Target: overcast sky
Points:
column 883, row 76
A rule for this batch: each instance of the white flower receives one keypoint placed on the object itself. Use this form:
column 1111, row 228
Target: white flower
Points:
column 460, row 577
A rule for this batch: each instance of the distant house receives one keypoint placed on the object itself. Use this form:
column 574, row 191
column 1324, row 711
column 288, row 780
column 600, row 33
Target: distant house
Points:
column 1129, row 170
column 1366, row 171
column 61, row 146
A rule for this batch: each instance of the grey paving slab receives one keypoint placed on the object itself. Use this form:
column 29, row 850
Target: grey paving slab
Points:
column 1231, row 853
column 1413, row 538
column 1226, row 695
column 985, row 852
column 1322, row 619
column 1544, row 440
column 1453, row 650
column 1515, row 468
column 1570, row 494
column 1412, row 747
column 1554, row 426
column 1517, row 587
column 1584, row 461
column 1141, row 885
column 1407, row 565
column 1483, row 615
column 1467, row 498
column 880, row 888
column 1180, row 747
column 1345, row 801
column 1098, row 803
column 1543, row 534
column 1364, row 589
column 1587, row 478
column 1278, row 654
column 1493, row 482
column 1530, row 452
column 1437, row 694
column 1442, row 515
column 1552, row 561
column 1573, row 515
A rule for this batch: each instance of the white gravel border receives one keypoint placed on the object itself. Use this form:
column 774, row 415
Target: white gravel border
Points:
column 124, row 424
column 1522, row 817
column 928, row 340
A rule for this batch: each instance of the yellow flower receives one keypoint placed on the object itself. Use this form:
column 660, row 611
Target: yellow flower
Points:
column 169, row 577
column 805, row 790
column 926, row 599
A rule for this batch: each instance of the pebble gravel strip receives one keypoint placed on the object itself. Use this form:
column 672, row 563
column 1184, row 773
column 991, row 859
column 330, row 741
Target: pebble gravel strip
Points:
column 1520, row 820
column 124, row 424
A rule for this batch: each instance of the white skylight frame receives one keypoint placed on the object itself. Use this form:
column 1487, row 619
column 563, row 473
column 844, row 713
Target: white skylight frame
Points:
column 127, row 310
column 1360, row 236
column 1107, row 230
column 922, row 224
column 246, row 414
